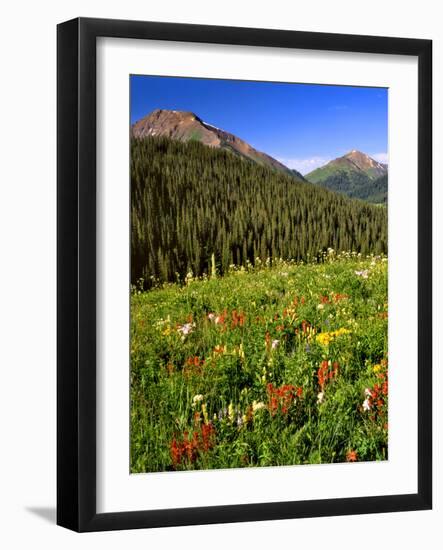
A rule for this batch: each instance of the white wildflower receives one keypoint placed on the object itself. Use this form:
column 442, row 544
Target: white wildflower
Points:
column 275, row 344
column 197, row 399
column 366, row 404
column 189, row 277
column 320, row 397
column 186, row 328
column 363, row 274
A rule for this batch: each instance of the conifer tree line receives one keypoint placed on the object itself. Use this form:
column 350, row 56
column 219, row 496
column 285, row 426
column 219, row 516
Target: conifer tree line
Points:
column 189, row 201
column 359, row 186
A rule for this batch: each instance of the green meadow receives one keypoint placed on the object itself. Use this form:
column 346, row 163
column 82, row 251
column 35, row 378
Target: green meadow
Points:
column 280, row 363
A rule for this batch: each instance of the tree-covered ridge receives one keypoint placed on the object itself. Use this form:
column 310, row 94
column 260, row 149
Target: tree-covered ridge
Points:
column 189, row 201
column 356, row 175
column 358, row 186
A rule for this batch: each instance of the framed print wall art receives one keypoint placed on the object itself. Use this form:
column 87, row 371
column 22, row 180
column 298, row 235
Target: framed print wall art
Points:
column 244, row 274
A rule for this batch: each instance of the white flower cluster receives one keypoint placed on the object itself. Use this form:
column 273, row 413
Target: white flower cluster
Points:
column 186, row 329
column 364, row 274
column 216, row 319
column 367, row 403
column 197, row 399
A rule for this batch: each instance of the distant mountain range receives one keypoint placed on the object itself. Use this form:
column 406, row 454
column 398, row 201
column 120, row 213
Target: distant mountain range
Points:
column 356, row 175
column 187, row 126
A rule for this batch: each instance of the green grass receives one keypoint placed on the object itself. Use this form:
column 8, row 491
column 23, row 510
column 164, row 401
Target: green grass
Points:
column 264, row 366
column 320, row 174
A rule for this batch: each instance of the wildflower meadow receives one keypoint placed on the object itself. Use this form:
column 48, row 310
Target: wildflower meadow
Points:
column 280, row 363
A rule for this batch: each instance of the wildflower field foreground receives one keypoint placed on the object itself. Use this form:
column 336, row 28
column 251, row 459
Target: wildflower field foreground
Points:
column 265, row 366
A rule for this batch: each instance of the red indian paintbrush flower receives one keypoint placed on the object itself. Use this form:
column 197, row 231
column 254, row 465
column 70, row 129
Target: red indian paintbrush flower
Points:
column 191, row 446
column 351, row 456
column 280, row 399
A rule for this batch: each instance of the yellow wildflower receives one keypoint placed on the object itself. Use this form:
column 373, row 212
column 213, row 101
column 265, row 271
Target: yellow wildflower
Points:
column 205, row 413
column 257, row 405
column 241, row 351
column 325, row 338
column 231, row 412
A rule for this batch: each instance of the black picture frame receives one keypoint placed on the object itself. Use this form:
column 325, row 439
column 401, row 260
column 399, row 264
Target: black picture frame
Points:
column 76, row 279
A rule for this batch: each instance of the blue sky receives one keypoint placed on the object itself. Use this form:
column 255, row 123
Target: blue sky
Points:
column 303, row 125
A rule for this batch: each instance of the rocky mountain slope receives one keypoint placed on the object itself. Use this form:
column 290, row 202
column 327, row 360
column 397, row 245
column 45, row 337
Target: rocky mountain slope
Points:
column 186, row 126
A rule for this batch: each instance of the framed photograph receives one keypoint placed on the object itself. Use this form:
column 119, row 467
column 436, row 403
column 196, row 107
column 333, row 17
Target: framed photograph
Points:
column 244, row 274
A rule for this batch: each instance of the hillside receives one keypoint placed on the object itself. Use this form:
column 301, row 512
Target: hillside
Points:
column 298, row 175
column 376, row 192
column 356, row 175
column 186, row 126
column 190, row 201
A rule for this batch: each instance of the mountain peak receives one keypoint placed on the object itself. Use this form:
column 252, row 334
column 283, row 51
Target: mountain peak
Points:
column 354, row 161
column 187, row 126
column 362, row 161
column 355, row 153
column 355, row 174
column 172, row 114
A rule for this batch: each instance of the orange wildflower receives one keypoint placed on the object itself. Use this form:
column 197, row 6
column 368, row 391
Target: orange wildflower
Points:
column 351, row 456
